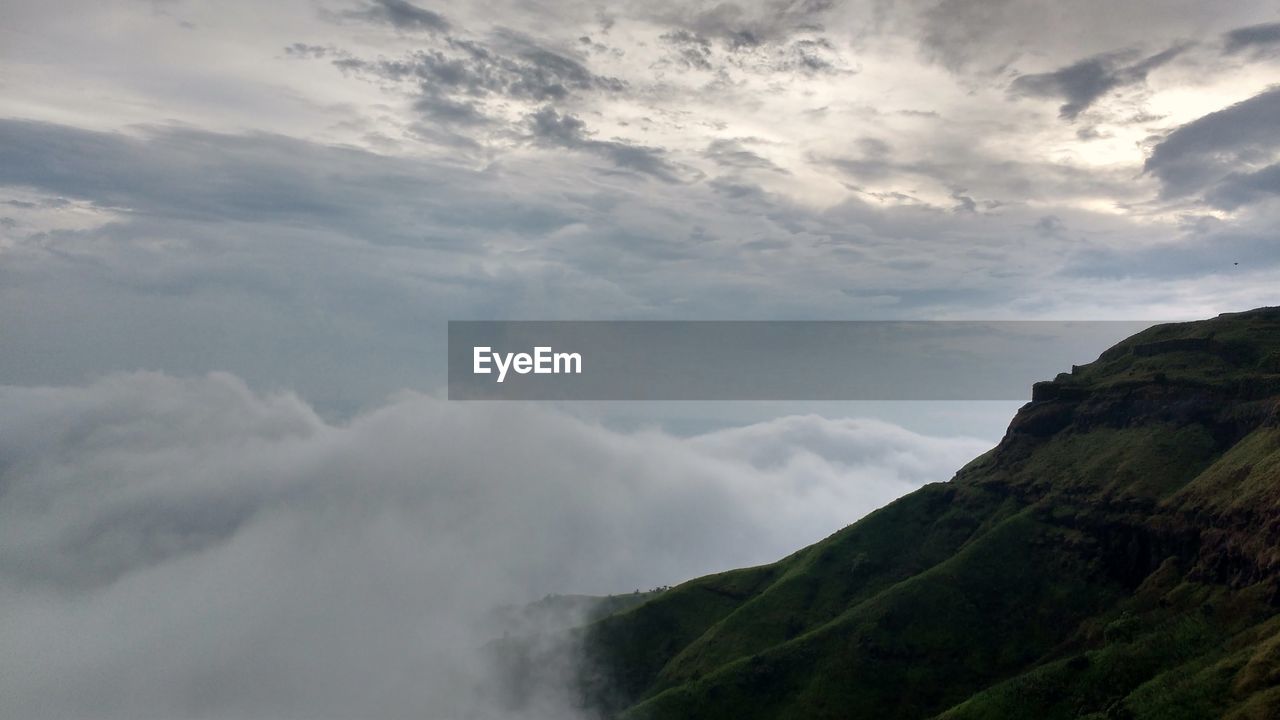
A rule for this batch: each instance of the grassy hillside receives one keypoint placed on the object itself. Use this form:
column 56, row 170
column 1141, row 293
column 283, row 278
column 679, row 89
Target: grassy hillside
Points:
column 1116, row 556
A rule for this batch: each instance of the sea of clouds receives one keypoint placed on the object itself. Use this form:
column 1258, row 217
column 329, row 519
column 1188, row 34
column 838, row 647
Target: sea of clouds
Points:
column 191, row 548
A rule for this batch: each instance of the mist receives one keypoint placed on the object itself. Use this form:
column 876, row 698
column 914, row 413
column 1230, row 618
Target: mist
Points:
column 190, row 548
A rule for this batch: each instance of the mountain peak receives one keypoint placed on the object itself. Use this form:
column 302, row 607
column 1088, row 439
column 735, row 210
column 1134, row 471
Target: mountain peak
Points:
column 1116, row 555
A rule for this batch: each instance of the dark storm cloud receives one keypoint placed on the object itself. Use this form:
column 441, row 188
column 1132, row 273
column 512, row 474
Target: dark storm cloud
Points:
column 401, row 15
column 1229, row 143
column 1254, row 37
column 1083, row 83
column 549, row 127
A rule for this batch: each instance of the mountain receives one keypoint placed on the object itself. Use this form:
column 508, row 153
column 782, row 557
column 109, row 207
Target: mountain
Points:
column 1117, row 555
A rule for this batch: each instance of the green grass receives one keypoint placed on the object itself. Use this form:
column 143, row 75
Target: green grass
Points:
column 1117, row 556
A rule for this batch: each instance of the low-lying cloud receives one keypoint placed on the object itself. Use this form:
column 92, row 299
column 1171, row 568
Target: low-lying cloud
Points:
column 185, row 548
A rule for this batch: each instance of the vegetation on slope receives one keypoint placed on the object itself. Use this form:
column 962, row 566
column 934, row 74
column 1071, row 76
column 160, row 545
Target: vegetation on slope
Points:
column 1116, row 556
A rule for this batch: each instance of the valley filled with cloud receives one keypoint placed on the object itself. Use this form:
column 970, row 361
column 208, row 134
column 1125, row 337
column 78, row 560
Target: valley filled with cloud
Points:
column 232, row 234
column 189, row 548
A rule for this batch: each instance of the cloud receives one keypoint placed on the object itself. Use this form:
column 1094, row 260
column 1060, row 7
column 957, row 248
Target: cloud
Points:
column 953, row 31
column 470, row 84
column 303, row 50
column 816, row 55
column 548, row 127
column 192, row 175
column 964, row 203
column 331, row 269
column 753, row 38
column 1227, row 144
column 192, row 548
column 1261, row 38
column 1050, row 226
column 1237, row 189
column 187, row 548
column 692, row 51
column 1234, row 252
column 1083, row 83
column 980, row 40
column 1000, row 180
column 287, row 261
column 401, row 15
column 474, row 70
column 733, row 153
column 747, row 26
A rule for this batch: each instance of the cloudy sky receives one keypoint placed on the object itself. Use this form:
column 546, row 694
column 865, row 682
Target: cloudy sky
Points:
column 302, row 192
column 231, row 234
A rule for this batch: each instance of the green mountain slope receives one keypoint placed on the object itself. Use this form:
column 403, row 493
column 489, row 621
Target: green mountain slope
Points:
column 1116, row 556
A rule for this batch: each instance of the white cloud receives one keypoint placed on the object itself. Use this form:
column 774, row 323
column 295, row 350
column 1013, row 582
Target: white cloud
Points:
column 186, row 548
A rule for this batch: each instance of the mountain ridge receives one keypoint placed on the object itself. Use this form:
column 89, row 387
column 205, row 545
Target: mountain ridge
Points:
column 1116, row 555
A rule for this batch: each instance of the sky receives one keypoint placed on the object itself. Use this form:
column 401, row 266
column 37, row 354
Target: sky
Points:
column 302, row 193
column 231, row 234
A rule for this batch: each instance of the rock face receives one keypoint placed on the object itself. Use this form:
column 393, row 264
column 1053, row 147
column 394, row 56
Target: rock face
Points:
column 1117, row 555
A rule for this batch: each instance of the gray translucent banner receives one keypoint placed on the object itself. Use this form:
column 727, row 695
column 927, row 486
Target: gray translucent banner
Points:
column 768, row 360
